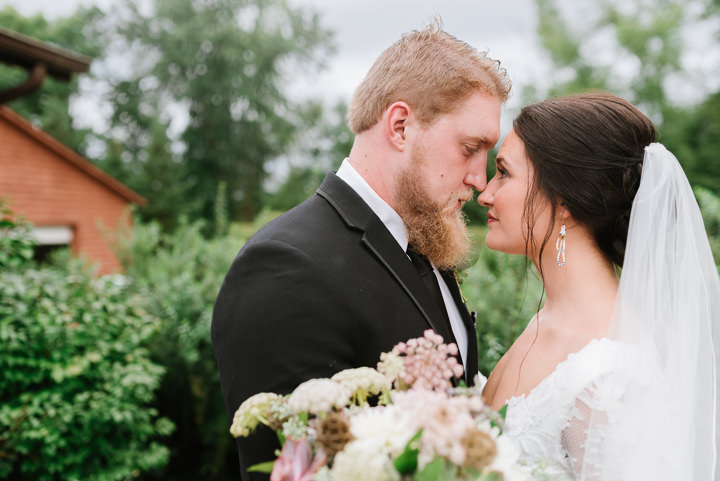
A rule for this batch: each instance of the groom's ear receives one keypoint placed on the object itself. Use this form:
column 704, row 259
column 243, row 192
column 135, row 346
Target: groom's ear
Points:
column 395, row 123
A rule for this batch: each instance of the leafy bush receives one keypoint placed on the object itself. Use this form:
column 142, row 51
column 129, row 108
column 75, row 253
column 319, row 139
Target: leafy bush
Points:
column 179, row 274
column 16, row 245
column 710, row 207
column 75, row 378
column 505, row 292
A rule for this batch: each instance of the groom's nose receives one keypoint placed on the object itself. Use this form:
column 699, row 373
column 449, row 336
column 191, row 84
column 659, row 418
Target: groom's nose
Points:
column 476, row 176
column 476, row 181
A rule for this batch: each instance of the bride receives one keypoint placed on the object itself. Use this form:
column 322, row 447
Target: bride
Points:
column 614, row 377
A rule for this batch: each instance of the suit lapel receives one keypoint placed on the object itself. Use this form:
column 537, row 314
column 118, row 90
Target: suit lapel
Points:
column 378, row 240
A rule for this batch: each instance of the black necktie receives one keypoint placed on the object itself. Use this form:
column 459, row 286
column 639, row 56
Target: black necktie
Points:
column 425, row 269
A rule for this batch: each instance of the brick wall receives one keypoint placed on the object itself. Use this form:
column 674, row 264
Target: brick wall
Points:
column 48, row 190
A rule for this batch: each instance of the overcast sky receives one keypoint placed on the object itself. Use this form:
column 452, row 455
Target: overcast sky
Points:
column 505, row 28
column 364, row 28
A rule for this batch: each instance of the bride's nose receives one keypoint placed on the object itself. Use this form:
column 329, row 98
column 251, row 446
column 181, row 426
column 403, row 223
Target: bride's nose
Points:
column 485, row 198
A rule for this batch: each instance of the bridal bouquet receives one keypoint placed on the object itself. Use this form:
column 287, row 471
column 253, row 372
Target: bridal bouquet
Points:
column 420, row 427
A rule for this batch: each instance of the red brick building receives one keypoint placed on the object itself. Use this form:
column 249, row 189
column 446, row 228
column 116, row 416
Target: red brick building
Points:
column 70, row 201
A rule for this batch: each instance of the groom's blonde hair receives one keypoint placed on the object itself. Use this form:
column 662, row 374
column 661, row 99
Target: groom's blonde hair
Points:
column 430, row 70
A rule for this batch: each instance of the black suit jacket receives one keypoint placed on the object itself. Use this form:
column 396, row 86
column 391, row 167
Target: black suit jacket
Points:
column 323, row 287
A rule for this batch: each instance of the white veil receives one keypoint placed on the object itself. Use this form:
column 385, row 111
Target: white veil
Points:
column 654, row 417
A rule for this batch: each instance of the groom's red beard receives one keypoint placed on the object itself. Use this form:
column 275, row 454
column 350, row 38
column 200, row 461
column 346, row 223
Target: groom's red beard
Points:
column 437, row 231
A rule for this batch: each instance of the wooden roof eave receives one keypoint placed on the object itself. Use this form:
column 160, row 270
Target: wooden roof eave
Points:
column 39, row 59
column 26, row 52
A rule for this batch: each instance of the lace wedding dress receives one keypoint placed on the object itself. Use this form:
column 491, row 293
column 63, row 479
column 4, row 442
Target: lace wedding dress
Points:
column 543, row 422
column 607, row 412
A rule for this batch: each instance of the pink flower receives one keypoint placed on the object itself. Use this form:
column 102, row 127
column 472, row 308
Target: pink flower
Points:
column 428, row 363
column 296, row 461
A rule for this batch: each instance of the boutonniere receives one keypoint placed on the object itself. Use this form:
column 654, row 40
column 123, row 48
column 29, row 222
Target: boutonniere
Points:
column 460, row 278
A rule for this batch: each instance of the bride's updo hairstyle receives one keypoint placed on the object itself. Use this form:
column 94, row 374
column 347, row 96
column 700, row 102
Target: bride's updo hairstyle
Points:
column 586, row 151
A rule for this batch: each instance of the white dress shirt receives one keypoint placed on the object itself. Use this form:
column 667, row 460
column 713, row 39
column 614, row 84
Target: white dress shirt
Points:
column 396, row 226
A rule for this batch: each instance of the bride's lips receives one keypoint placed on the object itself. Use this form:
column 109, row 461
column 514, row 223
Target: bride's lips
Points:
column 491, row 219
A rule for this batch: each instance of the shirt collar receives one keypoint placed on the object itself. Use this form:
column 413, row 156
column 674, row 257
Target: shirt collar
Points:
column 382, row 209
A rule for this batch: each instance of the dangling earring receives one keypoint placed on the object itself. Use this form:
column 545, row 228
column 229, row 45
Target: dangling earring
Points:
column 560, row 246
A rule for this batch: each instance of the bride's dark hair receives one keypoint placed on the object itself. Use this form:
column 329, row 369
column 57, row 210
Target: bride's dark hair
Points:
column 586, row 151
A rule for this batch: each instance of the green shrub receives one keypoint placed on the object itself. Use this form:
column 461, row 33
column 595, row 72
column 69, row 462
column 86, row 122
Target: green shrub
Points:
column 16, row 244
column 710, row 207
column 76, row 379
column 505, row 292
column 178, row 275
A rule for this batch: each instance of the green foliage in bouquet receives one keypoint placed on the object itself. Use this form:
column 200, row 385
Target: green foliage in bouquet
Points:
column 407, row 461
column 75, row 378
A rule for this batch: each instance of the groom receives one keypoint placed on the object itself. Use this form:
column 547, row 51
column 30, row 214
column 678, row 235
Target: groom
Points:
column 344, row 276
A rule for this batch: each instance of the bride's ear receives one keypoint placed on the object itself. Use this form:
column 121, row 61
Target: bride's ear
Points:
column 563, row 214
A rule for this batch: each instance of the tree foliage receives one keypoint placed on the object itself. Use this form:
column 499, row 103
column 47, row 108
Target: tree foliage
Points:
column 215, row 71
column 630, row 49
column 636, row 50
column 693, row 134
column 325, row 141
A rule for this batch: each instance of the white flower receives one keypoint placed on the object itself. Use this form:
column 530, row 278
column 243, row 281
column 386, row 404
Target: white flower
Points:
column 252, row 411
column 318, row 395
column 507, row 461
column 362, row 382
column 391, row 365
column 385, row 427
column 362, row 461
column 323, row 474
column 296, row 428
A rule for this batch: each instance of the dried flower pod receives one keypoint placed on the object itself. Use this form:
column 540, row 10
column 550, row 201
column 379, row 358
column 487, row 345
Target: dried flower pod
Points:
column 333, row 432
column 480, row 449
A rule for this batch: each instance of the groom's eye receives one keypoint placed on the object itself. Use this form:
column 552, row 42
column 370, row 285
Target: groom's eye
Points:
column 471, row 150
